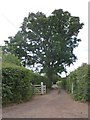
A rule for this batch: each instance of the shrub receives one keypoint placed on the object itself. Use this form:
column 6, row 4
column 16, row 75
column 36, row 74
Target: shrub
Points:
column 71, row 79
column 59, row 83
column 36, row 79
column 64, row 82
column 16, row 85
column 80, row 80
column 11, row 58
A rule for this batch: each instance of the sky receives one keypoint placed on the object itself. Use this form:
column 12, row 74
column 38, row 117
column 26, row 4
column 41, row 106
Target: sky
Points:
column 12, row 13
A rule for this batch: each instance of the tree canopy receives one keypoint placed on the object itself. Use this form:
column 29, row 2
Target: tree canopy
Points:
column 47, row 42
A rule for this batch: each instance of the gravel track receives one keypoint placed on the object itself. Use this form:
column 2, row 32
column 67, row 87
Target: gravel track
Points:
column 51, row 105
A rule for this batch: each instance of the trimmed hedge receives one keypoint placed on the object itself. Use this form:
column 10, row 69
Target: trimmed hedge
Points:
column 16, row 85
column 80, row 80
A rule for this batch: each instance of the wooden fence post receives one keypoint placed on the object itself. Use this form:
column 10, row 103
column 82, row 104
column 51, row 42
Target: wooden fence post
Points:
column 72, row 87
column 42, row 88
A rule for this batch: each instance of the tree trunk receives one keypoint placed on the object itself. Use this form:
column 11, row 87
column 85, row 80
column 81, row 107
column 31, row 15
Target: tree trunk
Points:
column 50, row 78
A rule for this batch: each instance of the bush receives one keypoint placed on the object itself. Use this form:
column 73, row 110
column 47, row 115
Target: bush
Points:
column 16, row 85
column 36, row 79
column 59, row 83
column 80, row 80
column 63, row 83
column 55, row 78
column 11, row 58
column 88, row 82
column 71, row 79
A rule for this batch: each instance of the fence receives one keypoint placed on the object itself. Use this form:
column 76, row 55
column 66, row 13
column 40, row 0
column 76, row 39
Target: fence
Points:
column 40, row 89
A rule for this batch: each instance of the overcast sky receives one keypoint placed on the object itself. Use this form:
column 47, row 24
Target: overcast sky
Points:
column 12, row 13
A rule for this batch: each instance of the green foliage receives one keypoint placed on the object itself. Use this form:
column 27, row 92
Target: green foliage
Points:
column 0, row 50
column 16, row 85
column 36, row 79
column 71, row 79
column 63, row 83
column 55, row 78
column 11, row 58
column 59, row 83
column 80, row 80
column 0, row 59
column 88, row 82
column 49, row 41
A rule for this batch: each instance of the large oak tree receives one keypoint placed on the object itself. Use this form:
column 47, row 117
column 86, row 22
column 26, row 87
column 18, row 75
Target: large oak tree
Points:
column 47, row 41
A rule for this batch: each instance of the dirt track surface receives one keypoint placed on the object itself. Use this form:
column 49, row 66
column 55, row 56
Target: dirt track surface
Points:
column 50, row 105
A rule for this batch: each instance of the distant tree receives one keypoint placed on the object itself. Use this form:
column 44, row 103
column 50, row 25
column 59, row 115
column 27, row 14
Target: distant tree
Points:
column 4, row 48
column 11, row 58
column 47, row 41
column 17, row 46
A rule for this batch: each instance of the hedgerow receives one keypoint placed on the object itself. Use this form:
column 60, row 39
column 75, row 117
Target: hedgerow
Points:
column 81, row 82
column 16, row 84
